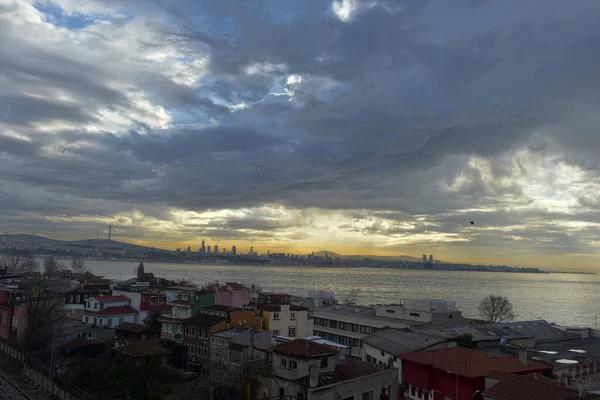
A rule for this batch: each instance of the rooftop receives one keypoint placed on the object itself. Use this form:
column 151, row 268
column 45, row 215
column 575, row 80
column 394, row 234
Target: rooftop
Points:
column 471, row 363
column 79, row 343
column 530, row 387
column 349, row 369
column 365, row 316
column 113, row 311
column 231, row 332
column 219, row 307
column 277, row 307
column 236, row 286
column 109, row 299
column 131, row 327
column 305, row 348
column 398, row 342
column 204, row 320
column 566, row 353
column 183, row 303
column 143, row 349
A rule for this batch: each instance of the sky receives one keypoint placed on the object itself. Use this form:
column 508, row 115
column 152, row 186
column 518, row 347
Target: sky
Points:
column 361, row 127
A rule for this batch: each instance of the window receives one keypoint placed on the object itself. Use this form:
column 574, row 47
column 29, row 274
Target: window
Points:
column 95, row 321
column 348, row 398
column 170, row 328
column 109, row 323
column 192, row 349
column 324, row 362
column 414, row 314
column 205, row 352
column 367, row 395
column 87, row 319
column 353, row 327
column 292, row 315
column 276, row 315
column 390, row 311
column 333, row 324
column 275, row 333
column 284, row 362
column 89, row 335
column 450, row 316
column 292, row 331
column 165, row 326
column 354, row 342
column 187, row 330
column 78, row 299
column 206, row 333
column 199, row 350
column 184, row 297
column 192, row 331
column 365, row 329
column 95, row 306
column 102, row 306
column 120, row 320
column 343, row 326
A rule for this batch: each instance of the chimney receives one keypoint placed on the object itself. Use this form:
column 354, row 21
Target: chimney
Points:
column 523, row 355
column 313, row 376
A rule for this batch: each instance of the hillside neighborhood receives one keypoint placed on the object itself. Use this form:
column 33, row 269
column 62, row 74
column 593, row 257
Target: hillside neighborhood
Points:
column 76, row 335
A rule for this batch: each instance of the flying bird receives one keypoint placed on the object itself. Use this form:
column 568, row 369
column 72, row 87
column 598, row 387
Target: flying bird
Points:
column 472, row 222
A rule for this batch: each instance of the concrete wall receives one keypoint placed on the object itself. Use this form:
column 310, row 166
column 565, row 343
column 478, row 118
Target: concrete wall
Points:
column 385, row 379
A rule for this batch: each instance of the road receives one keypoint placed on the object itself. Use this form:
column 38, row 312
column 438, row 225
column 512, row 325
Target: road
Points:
column 10, row 391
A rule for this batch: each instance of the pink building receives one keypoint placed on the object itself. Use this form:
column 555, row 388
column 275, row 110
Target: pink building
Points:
column 232, row 295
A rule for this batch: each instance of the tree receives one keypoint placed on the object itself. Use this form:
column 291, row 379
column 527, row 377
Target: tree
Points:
column 151, row 321
column 41, row 308
column 17, row 262
column 51, row 265
column 77, row 264
column 496, row 309
column 351, row 298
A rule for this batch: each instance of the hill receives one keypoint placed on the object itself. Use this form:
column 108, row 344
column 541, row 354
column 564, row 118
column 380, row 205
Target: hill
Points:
column 41, row 240
column 354, row 257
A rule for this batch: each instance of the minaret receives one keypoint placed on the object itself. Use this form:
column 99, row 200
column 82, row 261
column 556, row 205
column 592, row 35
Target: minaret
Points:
column 109, row 231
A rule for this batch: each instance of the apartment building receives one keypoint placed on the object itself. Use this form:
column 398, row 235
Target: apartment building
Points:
column 348, row 324
column 286, row 320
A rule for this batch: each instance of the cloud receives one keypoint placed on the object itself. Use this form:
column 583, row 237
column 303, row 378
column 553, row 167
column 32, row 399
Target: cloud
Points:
column 410, row 117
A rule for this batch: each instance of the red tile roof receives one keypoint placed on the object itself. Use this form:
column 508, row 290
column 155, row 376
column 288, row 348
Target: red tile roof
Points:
column 113, row 310
column 305, row 348
column 472, row 363
column 349, row 369
column 110, row 299
column 530, row 387
column 143, row 349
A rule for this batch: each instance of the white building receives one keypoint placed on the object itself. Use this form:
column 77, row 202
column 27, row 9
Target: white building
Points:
column 348, row 324
column 313, row 371
column 109, row 311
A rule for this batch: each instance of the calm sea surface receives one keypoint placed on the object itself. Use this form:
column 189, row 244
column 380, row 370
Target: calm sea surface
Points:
column 561, row 298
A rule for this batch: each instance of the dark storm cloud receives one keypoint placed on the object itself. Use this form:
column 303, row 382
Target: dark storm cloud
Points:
column 228, row 105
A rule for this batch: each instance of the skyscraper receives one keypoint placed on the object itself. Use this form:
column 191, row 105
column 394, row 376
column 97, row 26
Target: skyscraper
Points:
column 208, row 249
column 189, row 249
column 216, row 248
column 424, row 258
column 202, row 249
column 431, row 258
column 233, row 250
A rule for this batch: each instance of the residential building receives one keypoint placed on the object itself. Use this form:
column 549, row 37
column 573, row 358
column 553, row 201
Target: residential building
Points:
column 232, row 294
column 135, row 332
column 285, row 320
column 143, row 352
column 313, row 371
column 274, row 298
column 146, row 302
column 505, row 386
column 236, row 317
column 389, row 344
column 189, row 303
column 109, row 311
column 343, row 349
column 348, row 324
column 457, row 373
column 171, row 328
column 198, row 331
column 239, row 344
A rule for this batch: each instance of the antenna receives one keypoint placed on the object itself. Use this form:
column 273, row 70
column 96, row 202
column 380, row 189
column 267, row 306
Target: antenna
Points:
column 109, row 231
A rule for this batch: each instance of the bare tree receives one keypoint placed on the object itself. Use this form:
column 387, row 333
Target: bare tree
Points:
column 51, row 265
column 78, row 265
column 41, row 307
column 496, row 309
column 17, row 262
column 351, row 298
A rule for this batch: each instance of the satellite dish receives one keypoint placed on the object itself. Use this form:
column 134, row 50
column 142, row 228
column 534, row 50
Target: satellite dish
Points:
column 240, row 322
column 244, row 322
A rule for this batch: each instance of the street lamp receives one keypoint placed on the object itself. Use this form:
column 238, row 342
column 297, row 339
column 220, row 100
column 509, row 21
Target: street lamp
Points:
column 473, row 395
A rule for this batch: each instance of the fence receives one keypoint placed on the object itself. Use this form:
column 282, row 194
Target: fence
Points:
column 39, row 379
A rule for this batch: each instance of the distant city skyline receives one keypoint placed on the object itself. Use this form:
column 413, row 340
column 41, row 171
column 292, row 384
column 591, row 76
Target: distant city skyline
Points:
column 356, row 127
